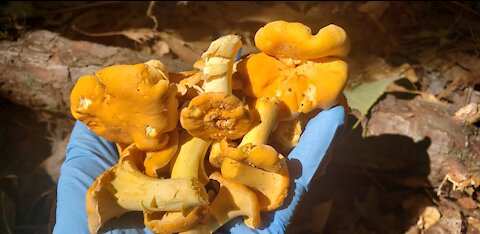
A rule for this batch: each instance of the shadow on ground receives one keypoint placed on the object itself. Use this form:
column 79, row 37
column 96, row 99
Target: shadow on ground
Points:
column 371, row 185
column 27, row 194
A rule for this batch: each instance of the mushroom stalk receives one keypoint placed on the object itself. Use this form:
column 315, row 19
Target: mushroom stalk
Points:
column 219, row 59
column 233, row 200
column 190, row 157
column 271, row 188
column 188, row 163
column 135, row 192
column 267, row 112
column 216, row 155
column 253, row 149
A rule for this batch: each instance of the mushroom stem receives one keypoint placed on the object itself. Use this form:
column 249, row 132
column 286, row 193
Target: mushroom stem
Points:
column 267, row 112
column 218, row 69
column 219, row 59
column 135, row 192
column 221, row 83
column 191, row 154
column 271, row 188
column 216, row 155
column 233, row 200
column 157, row 160
column 253, row 149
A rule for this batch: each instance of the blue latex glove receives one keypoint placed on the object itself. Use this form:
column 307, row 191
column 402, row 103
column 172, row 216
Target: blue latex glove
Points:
column 89, row 155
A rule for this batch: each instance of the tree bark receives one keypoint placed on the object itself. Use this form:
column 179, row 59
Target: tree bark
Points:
column 40, row 69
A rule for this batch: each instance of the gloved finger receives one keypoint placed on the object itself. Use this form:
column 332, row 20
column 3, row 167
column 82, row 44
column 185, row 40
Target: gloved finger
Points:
column 87, row 157
column 315, row 142
column 85, row 143
column 239, row 54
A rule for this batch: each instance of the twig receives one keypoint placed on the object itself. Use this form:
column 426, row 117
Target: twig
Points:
column 429, row 194
column 466, row 8
column 103, row 34
column 151, row 16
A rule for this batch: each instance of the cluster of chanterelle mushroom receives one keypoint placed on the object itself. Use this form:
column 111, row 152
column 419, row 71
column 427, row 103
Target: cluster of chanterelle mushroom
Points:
column 199, row 148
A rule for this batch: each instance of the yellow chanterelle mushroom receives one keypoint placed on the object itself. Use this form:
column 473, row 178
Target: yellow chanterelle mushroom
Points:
column 128, row 104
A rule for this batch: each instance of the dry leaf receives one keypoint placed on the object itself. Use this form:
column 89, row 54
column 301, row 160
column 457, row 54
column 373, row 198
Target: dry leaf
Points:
column 160, row 48
column 467, row 203
column 469, row 113
column 180, row 48
column 52, row 164
column 140, row 35
column 473, row 223
column 429, row 97
column 450, row 222
column 429, row 217
column 321, row 213
column 374, row 8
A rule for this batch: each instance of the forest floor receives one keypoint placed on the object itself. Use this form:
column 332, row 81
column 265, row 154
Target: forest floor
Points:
column 408, row 160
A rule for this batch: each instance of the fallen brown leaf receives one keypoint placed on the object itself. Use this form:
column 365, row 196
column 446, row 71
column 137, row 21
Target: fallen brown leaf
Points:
column 429, row 217
column 469, row 113
column 467, row 203
column 160, row 48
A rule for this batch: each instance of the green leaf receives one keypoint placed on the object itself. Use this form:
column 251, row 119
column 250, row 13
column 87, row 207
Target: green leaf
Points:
column 370, row 78
column 363, row 96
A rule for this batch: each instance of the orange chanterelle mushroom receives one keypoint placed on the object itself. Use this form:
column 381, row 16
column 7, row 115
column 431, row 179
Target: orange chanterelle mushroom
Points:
column 128, row 104
column 302, row 70
column 217, row 113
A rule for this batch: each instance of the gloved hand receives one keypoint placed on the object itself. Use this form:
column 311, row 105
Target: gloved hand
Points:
column 89, row 155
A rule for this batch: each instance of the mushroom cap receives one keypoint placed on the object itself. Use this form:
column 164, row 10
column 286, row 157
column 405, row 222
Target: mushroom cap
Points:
column 121, row 147
column 101, row 205
column 128, row 104
column 261, row 156
column 216, row 116
column 294, row 40
column 234, row 200
column 300, row 88
column 287, row 133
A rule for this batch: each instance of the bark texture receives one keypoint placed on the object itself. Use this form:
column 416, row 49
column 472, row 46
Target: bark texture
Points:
column 40, row 68
column 453, row 144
